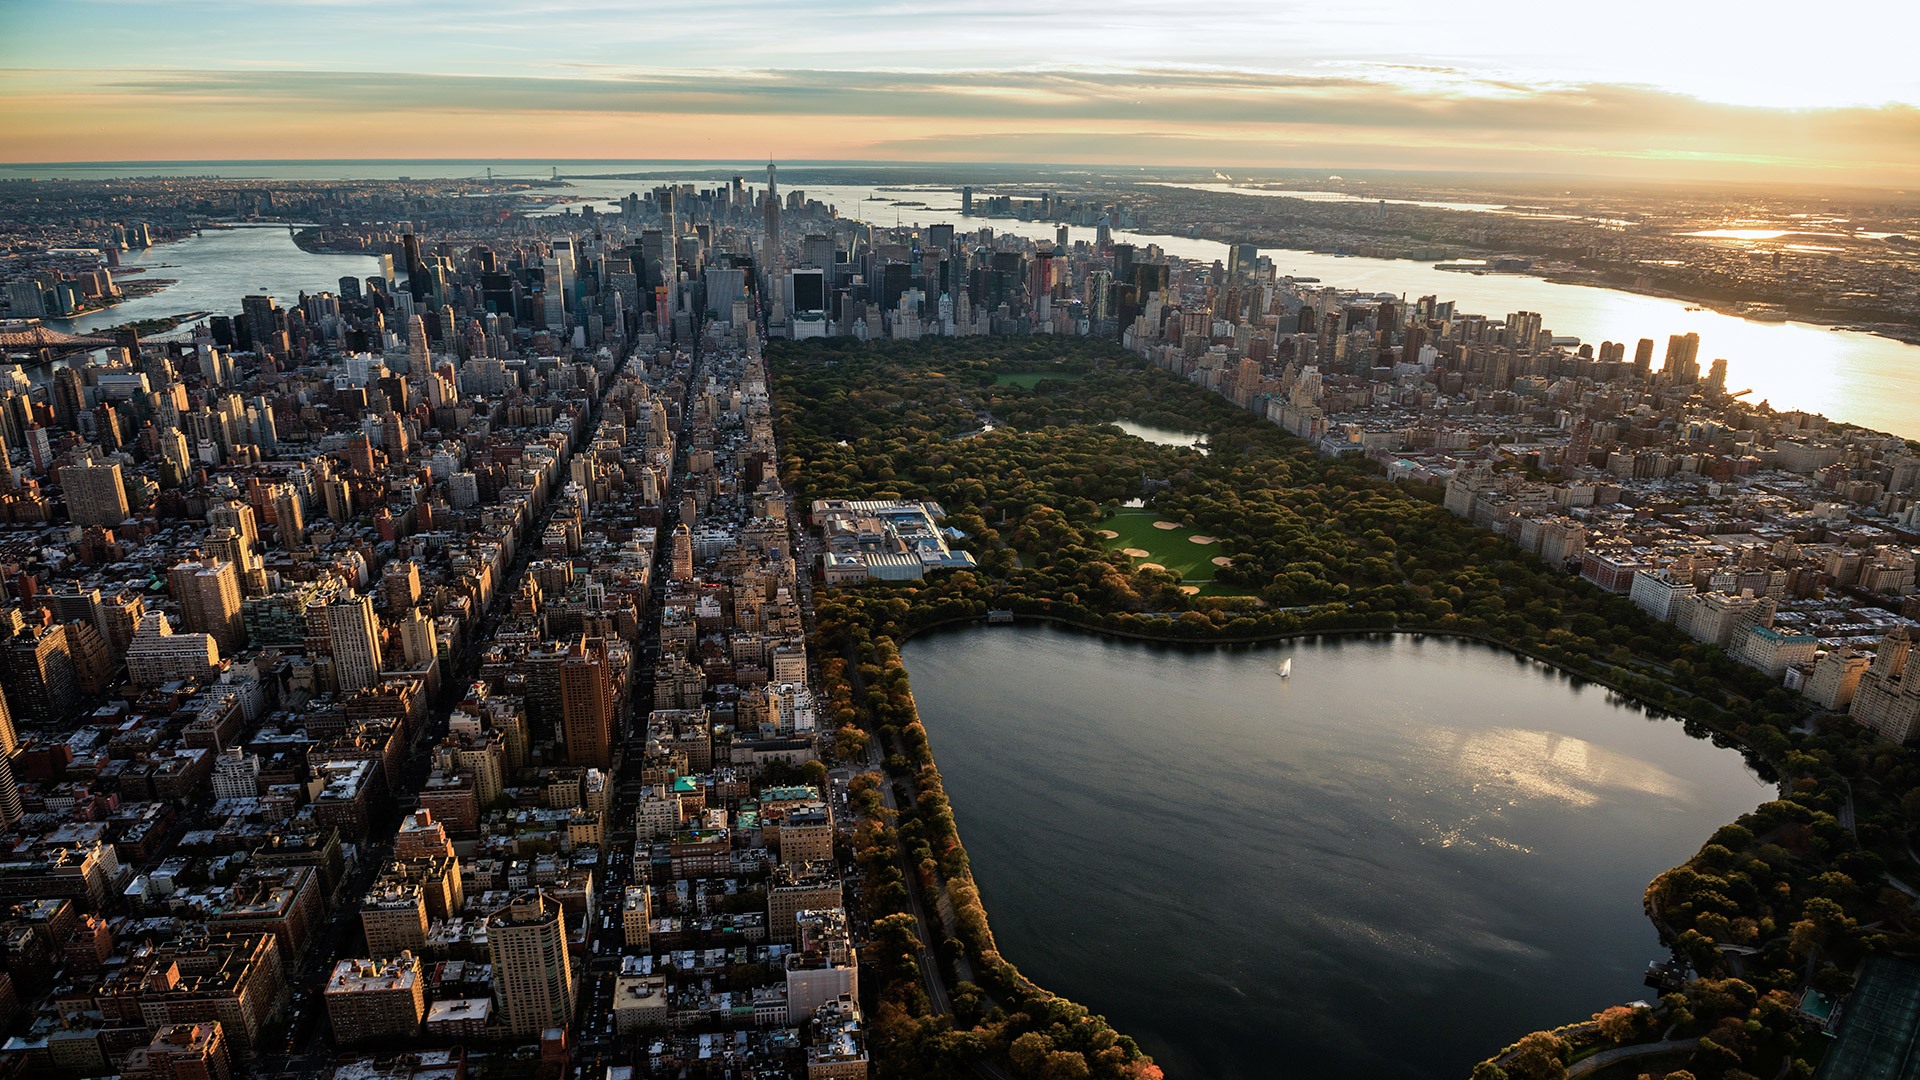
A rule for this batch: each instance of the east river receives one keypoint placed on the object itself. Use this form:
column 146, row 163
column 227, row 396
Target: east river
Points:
column 1389, row 865
column 216, row 268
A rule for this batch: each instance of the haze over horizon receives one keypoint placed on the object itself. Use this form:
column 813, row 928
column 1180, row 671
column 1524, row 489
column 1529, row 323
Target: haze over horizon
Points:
column 1708, row 91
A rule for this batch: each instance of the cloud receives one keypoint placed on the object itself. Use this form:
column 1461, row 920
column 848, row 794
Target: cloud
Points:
column 1153, row 115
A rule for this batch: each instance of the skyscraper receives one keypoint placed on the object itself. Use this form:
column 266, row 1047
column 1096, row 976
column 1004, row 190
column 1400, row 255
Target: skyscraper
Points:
column 588, row 696
column 351, row 634
column 38, row 671
column 532, row 975
column 11, row 808
column 95, row 494
column 773, row 217
column 209, row 597
column 1683, row 359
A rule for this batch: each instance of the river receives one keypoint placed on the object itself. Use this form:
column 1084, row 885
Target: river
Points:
column 1847, row 375
column 215, row 269
column 1385, row 867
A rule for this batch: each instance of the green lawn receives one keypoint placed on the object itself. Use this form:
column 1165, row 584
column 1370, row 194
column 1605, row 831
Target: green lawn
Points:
column 1030, row 379
column 1170, row 547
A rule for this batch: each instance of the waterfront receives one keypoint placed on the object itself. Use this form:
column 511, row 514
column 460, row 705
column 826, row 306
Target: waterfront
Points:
column 215, row 269
column 1847, row 375
column 1386, row 866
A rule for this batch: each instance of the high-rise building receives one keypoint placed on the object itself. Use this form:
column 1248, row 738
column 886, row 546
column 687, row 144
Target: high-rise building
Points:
column 209, row 597
column 350, row 631
column 1887, row 699
column 9, row 738
column 1683, row 359
column 532, row 974
column 237, row 774
column 11, row 807
column 588, row 698
column 157, row 655
column 773, row 217
column 69, row 397
column 181, row 1052
column 681, row 565
column 289, row 518
column 393, row 915
column 797, row 887
column 377, row 999
column 37, row 669
column 95, row 494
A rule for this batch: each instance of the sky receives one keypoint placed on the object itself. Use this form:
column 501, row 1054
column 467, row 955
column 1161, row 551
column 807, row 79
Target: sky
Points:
column 1757, row 90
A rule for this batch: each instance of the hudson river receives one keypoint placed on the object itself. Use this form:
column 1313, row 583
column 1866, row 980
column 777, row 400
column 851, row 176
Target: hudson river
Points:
column 1850, row 376
column 1389, row 865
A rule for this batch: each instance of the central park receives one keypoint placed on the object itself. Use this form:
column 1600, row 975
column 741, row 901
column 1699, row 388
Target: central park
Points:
column 1053, row 502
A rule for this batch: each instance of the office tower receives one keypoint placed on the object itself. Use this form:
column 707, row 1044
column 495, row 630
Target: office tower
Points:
column 351, row 635
column 418, row 284
column 209, row 597
column 37, row 669
column 1717, row 376
column 95, row 494
column 532, row 974
column 588, row 693
column 773, row 217
column 966, row 200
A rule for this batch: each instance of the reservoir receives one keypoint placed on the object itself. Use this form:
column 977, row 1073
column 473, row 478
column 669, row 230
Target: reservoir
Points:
column 1388, row 865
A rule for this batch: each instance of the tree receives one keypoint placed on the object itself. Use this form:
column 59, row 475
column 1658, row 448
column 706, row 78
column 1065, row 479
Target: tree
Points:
column 1619, row 1024
column 1065, row 1065
column 1029, row 1053
column 1539, row 1056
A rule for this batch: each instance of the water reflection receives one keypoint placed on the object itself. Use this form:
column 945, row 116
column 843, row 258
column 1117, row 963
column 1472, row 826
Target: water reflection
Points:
column 1385, row 866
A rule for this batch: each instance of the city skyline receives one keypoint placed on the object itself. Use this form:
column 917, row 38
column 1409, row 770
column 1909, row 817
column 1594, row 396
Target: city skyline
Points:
column 1483, row 86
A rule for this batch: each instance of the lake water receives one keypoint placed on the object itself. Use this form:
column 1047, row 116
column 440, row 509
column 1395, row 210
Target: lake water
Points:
column 1389, row 865
column 1162, row 436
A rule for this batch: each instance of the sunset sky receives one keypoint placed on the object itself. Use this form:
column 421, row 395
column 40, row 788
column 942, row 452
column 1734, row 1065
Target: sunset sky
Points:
column 1756, row 90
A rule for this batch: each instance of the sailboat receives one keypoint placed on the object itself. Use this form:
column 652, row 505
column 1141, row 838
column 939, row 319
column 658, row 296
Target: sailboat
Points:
column 1285, row 669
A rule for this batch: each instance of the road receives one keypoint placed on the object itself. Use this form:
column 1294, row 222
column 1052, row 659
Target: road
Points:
column 314, row 1054
column 1627, row 1053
